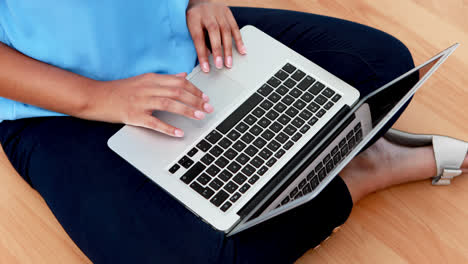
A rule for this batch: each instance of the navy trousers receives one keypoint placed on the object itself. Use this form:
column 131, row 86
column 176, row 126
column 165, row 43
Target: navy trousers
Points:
column 116, row 215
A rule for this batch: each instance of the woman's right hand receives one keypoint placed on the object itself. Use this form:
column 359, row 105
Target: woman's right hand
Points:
column 132, row 101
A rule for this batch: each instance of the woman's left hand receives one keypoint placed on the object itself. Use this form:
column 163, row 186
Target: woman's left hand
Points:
column 218, row 21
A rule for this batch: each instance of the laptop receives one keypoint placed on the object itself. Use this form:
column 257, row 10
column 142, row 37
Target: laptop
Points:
column 282, row 129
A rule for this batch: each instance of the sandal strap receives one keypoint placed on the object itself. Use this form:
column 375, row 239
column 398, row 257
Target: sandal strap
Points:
column 449, row 154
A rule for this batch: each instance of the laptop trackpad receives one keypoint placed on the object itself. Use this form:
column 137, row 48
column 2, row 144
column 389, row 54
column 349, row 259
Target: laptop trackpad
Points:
column 223, row 92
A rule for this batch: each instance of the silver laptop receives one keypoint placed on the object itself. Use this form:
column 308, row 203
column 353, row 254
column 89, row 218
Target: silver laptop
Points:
column 282, row 129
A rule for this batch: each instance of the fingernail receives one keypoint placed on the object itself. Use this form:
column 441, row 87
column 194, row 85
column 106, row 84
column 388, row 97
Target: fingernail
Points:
column 178, row 133
column 229, row 62
column 208, row 108
column 206, row 98
column 219, row 62
column 243, row 50
column 205, row 67
column 199, row 115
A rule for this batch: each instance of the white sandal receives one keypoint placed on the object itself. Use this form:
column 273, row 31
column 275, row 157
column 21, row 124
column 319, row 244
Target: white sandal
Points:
column 449, row 152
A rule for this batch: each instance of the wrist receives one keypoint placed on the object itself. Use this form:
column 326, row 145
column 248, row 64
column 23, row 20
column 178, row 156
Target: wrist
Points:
column 94, row 97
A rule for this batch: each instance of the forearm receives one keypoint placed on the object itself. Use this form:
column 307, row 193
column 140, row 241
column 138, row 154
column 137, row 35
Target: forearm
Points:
column 33, row 82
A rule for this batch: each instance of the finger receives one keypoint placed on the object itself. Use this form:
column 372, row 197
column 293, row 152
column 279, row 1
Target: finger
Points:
column 181, row 75
column 236, row 32
column 227, row 40
column 175, row 81
column 173, row 106
column 198, row 37
column 212, row 27
column 182, row 95
column 151, row 122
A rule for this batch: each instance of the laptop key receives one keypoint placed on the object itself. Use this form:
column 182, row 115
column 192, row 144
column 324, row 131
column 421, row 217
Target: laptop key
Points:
column 235, row 197
column 192, row 173
column 259, row 143
column 304, row 129
column 316, row 88
column 274, row 82
column 174, row 168
column 244, row 188
column 256, row 130
column 233, row 135
column 313, row 107
column 280, row 153
column 207, row 159
column 272, row 115
column 268, row 135
column 213, row 137
column 251, row 151
column 248, row 170
column 282, row 137
column 216, row 184
column 295, row 93
column 222, row 162
column 225, row 175
column 226, row 206
column 314, row 183
column 322, row 174
column 285, row 200
column 328, row 105
column 306, row 83
column 320, row 100
column 281, row 75
column 264, row 122
column 257, row 162
column 337, row 158
column 297, row 122
column 265, row 90
column 290, row 83
column 298, row 75
column 276, row 127
column 258, row 112
column 274, row 97
column 294, row 192
column 310, row 176
column 336, row 98
column 299, row 104
column 231, row 187
column 254, row 179
column 234, row 167
column 289, row 68
column 242, row 127
column 280, row 107
column 296, row 137
column 204, row 179
column 271, row 162
column 292, row 112
column 287, row 100
column 219, row 198
column 207, row 193
column 239, row 146
column 197, row 187
column 213, row 170
column 250, row 120
column 265, row 154
column 290, row 130
column 284, row 119
column 225, row 143
column 262, row 170
column 328, row 92
column 203, row 145
column 282, row 90
column 239, row 179
column 266, row 105
column 186, row 162
column 230, row 154
column 242, row 159
column 307, row 97
column 330, row 166
column 216, row 151
column 307, row 189
column 192, row 152
column 302, row 183
column 273, row 145
column 312, row 121
column 288, row 145
column 247, row 137
column 320, row 113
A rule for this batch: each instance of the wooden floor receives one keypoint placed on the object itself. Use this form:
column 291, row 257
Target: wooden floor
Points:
column 414, row 223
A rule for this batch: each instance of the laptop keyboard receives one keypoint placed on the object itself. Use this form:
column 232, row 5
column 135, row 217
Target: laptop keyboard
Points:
column 324, row 167
column 255, row 136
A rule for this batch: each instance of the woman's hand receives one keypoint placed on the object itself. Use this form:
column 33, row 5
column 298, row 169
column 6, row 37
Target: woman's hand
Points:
column 218, row 21
column 132, row 101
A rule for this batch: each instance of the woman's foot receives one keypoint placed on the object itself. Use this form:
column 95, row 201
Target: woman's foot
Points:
column 385, row 164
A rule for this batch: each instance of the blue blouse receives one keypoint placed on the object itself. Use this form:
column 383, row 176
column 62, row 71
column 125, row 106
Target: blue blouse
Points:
column 103, row 40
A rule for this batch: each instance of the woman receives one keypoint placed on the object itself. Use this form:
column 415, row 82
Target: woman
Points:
column 107, row 63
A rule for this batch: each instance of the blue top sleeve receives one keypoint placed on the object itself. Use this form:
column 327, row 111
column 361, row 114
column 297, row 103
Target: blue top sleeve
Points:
column 2, row 34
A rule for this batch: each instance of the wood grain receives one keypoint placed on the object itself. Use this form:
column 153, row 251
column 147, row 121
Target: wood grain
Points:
column 412, row 223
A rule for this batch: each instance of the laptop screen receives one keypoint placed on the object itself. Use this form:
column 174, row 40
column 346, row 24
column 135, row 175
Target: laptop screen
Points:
column 383, row 100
